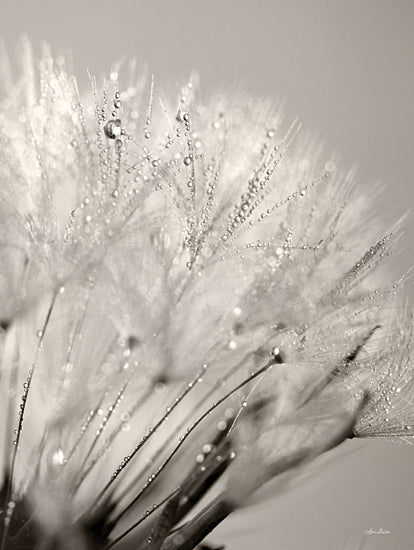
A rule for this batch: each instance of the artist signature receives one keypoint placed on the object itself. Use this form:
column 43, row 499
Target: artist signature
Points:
column 379, row 531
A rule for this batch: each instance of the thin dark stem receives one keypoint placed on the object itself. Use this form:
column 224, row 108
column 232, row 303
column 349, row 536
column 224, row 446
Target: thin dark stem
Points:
column 159, row 450
column 23, row 404
column 200, row 419
column 198, row 528
column 147, row 437
column 193, row 532
column 194, row 487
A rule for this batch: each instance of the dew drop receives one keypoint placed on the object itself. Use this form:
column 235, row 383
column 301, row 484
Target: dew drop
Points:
column 58, row 458
column 275, row 352
column 112, row 128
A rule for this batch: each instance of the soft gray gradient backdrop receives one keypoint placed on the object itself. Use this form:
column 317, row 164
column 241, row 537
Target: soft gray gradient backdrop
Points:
column 346, row 70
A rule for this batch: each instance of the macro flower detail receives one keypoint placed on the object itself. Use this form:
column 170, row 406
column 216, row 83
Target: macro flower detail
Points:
column 194, row 300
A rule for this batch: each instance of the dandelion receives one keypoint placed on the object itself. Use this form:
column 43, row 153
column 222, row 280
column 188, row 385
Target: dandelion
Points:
column 194, row 300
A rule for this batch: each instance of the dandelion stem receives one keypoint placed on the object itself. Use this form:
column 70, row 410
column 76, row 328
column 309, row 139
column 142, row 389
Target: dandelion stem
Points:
column 193, row 489
column 149, row 512
column 146, row 438
column 159, row 450
column 14, row 375
column 98, row 434
column 109, row 440
column 198, row 528
column 190, row 430
column 23, row 404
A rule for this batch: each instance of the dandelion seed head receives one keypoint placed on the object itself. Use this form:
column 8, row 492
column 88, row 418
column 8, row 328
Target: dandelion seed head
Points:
column 181, row 285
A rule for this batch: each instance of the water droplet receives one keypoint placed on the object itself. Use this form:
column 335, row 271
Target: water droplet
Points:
column 112, row 128
column 187, row 161
column 275, row 352
column 58, row 458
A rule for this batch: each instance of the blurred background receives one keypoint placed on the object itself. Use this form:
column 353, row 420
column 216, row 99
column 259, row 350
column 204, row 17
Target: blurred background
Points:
column 346, row 71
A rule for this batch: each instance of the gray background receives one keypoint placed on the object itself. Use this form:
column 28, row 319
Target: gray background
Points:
column 346, row 70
